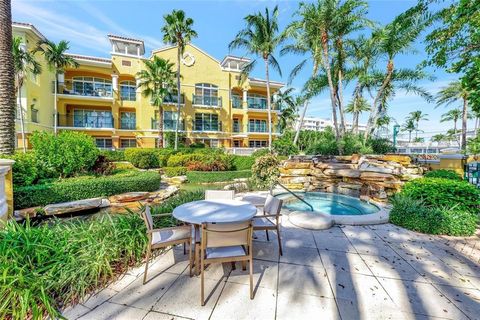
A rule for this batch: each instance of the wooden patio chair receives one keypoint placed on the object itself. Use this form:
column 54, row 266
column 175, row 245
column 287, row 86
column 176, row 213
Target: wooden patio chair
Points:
column 219, row 194
column 270, row 220
column 226, row 242
column 165, row 237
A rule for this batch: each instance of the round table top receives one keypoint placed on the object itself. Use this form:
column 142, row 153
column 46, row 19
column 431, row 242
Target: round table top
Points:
column 198, row 212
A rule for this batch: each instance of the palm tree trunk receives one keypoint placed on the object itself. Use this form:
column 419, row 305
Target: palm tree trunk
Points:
column 375, row 110
column 358, row 89
column 269, row 124
column 409, row 136
column 55, row 111
column 330, row 85
column 160, row 127
column 178, row 97
column 464, row 124
column 20, row 110
column 299, row 127
column 455, row 130
column 7, row 79
column 340, row 102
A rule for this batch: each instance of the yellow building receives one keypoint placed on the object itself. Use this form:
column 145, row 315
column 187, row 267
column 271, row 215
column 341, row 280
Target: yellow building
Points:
column 101, row 98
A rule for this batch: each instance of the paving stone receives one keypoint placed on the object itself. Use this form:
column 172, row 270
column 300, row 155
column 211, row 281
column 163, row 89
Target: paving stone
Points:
column 144, row 296
column 333, row 243
column 265, row 274
column 292, row 305
column 360, row 233
column 420, row 298
column 98, row 298
column 301, row 256
column 391, row 266
column 467, row 300
column 235, row 303
column 265, row 251
column 297, row 239
column 74, row 312
column 114, row 311
column 335, row 261
column 304, row 280
column 183, row 298
column 153, row 315
column 372, row 247
column 122, row 282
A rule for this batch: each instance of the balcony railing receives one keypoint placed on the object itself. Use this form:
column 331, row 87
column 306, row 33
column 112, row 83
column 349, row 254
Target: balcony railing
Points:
column 207, row 100
column 237, row 103
column 168, row 124
column 86, row 121
column 173, row 99
column 128, row 124
column 237, row 127
column 85, row 90
column 207, row 126
column 257, row 103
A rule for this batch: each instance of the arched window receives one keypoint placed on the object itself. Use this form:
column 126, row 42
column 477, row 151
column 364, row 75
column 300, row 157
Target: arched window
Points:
column 91, row 86
column 128, row 90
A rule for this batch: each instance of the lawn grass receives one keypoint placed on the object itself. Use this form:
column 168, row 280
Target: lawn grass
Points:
column 216, row 176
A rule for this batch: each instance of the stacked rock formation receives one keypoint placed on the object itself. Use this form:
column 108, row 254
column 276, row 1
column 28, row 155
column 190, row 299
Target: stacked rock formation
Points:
column 367, row 176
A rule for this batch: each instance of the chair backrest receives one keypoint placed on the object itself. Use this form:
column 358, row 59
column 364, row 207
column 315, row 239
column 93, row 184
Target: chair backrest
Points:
column 216, row 235
column 273, row 205
column 219, row 194
column 147, row 217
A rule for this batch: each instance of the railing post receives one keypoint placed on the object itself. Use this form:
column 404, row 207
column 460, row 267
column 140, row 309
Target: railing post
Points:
column 6, row 189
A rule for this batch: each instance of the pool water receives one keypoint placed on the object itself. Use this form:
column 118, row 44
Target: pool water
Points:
column 334, row 204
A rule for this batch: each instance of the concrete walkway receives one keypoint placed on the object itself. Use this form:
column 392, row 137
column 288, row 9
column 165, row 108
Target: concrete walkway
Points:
column 351, row 272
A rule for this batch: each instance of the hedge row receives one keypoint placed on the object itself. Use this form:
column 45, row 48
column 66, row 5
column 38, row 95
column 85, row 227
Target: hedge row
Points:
column 84, row 188
column 216, row 176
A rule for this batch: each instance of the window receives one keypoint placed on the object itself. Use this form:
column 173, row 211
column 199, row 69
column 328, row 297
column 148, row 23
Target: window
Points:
column 212, row 143
column 206, row 94
column 126, row 63
column 256, row 101
column 255, row 125
column 236, row 101
column 236, row 125
column 92, row 119
column 170, row 120
column 89, row 86
column 103, row 143
column 257, row 143
column 128, row 91
column 128, row 120
column 206, row 122
column 128, row 143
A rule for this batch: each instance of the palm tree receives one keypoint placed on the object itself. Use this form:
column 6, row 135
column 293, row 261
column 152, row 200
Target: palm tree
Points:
column 24, row 63
column 157, row 81
column 177, row 30
column 7, row 79
column 450, row 94
column 384, row 122
column 409, row 126
column 287, row 105
column 439, row 138
column 416, row 117
column 357, row 107
column 57, row 60
column 452, row 115
column 261, row 37
column 394, row 39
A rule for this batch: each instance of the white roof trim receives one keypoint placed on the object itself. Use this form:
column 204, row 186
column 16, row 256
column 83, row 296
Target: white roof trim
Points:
column 29, row 27
column 189, row 44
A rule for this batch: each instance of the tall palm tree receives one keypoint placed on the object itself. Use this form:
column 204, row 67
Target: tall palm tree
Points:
column 157, row 81
column 287, row 105
column 357, row 107
column 452, row 115
column 7, row 79
column 439, row 138
column 261, row 37
column 24, row 63
column 409, row 126
column 394, row 39
column 384, row 122
column 416, row 117
column 177, row 30
column 452, row 93
column 57, row 60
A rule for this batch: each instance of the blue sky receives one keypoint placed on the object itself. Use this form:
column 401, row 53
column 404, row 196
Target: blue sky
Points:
column 86, row 23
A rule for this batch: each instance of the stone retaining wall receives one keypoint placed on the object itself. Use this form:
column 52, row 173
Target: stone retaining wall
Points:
column 370, row 176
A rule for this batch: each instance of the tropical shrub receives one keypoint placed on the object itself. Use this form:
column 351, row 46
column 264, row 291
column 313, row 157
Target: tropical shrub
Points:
column 415, row 215
column 84, row 188
column 113, row 155
column 142, row 158
column 216, row 176
column 260, row 152
column 443, row 173
column 182, row 160
column 265, row 171
column 174, row 171
column 284, row 147
column 381, row 145
column 102, row 166
column 182, row 197
column 440, row 192
column 243, row 162
column 197, row 145
column 67, row 154
column 25, row 169
column 213, row 161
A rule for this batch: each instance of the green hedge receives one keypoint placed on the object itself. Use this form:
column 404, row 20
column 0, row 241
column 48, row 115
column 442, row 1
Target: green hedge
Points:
column 216, row 176
column 443, row 173
column 175, row 171
column 113, row 155
column 243, row 162
column 84, row 188
column 142, row 158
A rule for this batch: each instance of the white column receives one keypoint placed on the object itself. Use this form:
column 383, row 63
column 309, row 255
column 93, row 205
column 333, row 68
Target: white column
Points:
column 115, row 82
column 138, row 51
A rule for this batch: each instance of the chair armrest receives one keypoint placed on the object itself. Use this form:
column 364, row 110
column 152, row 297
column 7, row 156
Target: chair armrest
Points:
column 162, row 214
column 267, row 216
column 164, row 229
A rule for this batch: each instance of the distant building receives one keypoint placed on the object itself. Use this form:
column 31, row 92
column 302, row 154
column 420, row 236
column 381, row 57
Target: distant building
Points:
column 319, row 124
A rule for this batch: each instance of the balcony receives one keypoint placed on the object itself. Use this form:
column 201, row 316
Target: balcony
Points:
column 207, row 126
column 102, row 91
column 257, row 103
column 173, row 99
column 237, row 103
column 168, row 124
column 86, row 121
column 206, row 101
column 128, row 124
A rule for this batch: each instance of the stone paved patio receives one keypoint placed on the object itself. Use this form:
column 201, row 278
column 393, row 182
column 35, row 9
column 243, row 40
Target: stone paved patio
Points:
column 351, row 272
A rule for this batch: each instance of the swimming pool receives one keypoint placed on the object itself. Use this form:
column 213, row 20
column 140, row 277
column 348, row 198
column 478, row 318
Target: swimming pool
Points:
column 330, row 203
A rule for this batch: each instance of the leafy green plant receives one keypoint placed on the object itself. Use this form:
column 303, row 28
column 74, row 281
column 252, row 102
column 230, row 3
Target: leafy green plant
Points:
column 443, row 173
column 182, row 197
column 84, row 188
column 284, row 147
column 243, row 162
column 216, row 176
column 265, row 171
column 142, row 158
column 174, row 171
column 67, row 154
column 113, row 155
column 440, row 192
column 260, row 152
column 25, row 169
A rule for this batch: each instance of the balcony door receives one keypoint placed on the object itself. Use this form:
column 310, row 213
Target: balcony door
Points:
column 92, row 119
